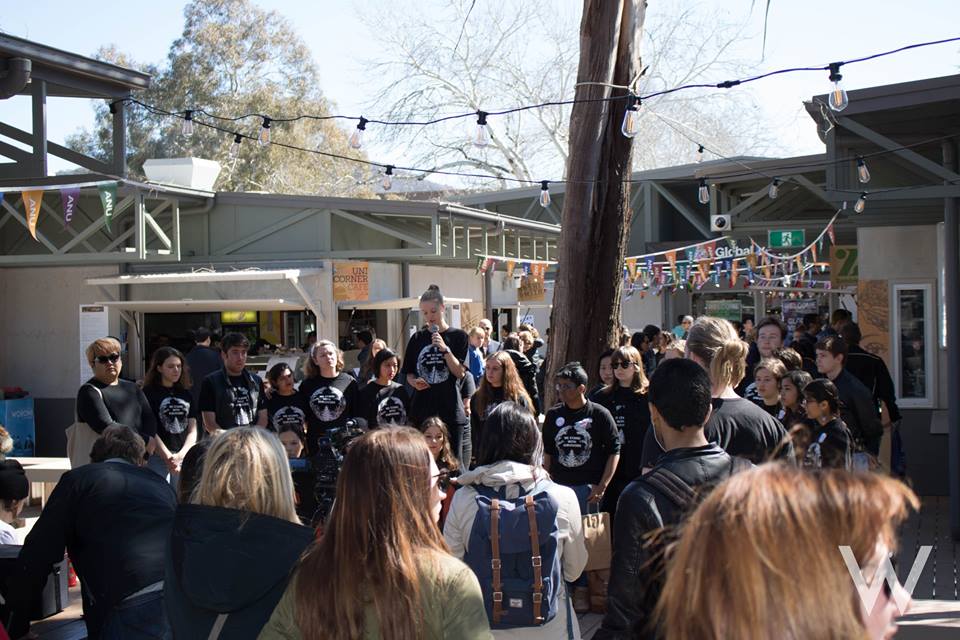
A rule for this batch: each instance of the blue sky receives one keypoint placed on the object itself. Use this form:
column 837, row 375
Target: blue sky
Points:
column 807, row 32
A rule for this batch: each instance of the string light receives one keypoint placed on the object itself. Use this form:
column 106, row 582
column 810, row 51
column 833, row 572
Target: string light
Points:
column 264, row 138
column 631, row 117
column 482, row 135
column 703, row 194
column 700, row 153
column 838, row 96
column 387, row 182
column 544, row 193
column 235, row 147
column 356, row 140
column 861, row 203
column 774, row 190
column 187, row 128
column 863, row 174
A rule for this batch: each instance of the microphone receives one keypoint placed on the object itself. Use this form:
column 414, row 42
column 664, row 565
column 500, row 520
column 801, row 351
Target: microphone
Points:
column 434, row 328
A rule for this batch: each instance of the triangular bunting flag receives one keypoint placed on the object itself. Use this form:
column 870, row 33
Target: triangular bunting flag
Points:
column 69, row 199
column 108, row 198
column 632, row 268
column 31, row 204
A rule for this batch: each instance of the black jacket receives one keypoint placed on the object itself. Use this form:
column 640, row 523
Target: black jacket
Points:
column 528, row 375
column 228, row 562
column 859, row 412
column 114, row 519
column 202, row 362
column 636, row 568
column 872, row 371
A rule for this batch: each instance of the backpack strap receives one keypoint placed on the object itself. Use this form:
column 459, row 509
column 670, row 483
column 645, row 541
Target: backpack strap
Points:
column 671, row 486
column 217, row 628
column 495, row 561
column 536, row 560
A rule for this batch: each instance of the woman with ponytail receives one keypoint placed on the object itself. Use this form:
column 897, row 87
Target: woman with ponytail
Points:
column 738, row 425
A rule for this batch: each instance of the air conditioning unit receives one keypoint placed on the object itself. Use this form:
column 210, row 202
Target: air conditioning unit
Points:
column 720, row 223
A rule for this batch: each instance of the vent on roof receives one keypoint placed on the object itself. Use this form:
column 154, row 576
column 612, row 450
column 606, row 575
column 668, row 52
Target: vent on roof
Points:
column 193, row 173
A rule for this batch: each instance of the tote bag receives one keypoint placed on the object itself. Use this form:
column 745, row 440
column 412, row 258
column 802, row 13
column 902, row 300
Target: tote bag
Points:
column 596, row 533
column 80, row 439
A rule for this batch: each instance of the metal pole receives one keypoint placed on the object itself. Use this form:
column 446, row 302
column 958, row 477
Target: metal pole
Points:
column 951, row 228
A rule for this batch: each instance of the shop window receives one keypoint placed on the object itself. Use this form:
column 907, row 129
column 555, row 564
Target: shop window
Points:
column 914, row 336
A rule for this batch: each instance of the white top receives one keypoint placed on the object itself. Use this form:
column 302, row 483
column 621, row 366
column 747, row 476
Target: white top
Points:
column 570, row 544
column 8, row 535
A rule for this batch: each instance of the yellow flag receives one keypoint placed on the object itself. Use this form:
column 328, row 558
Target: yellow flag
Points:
column 632, row 268
column 31, row 202
column 510, row 266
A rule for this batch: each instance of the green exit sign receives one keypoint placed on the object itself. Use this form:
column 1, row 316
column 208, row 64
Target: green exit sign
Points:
column 787, row 239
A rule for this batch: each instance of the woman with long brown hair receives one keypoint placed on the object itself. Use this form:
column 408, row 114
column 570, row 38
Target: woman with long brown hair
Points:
column 739, row 572
column 500, row 383
column 626, row 400
column 382, row 569
column 166, row 386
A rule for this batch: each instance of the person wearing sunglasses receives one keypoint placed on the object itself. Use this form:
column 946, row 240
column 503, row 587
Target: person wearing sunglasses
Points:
column 105, row 400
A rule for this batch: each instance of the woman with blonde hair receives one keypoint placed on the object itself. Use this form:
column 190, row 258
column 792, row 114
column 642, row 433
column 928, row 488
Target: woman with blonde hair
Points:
column 777, row 581
column 232, row 548
column 328, row 391
column 500, row 383
column 382, row 569
column 738, row 425
column 626, row 400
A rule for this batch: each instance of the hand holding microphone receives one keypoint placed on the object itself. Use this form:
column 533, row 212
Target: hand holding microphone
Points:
column 437, row 339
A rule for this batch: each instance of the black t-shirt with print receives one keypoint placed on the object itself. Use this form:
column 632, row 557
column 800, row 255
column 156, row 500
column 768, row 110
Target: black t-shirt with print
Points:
column 579, row 442
column 330, row 402
column 383, row 406
column 423, row 360
column 286, row 410
column 772, row 409
column 631, row 413
column 242, row 405
column 173, row 409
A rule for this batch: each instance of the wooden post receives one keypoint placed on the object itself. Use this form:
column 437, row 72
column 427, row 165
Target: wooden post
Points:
column 596, row 210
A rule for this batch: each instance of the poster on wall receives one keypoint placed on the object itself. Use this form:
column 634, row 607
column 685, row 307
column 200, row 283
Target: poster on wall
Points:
column 17, row 417
column 873, row 306
column 351, row 281
column 531, row 290
column 844, row 261
column 94, row 325
column 731, row 310
column 794, row 310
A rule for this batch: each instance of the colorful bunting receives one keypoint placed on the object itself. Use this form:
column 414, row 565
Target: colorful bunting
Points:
column 31, row 204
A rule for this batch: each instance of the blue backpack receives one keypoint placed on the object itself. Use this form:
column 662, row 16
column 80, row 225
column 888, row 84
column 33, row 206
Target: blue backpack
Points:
column 513, row 549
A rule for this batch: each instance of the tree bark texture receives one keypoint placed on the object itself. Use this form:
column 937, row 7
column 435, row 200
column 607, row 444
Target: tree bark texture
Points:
column 596, row 212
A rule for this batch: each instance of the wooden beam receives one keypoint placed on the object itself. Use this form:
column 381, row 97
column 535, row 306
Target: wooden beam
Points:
column 38, row 92
column 907, row 154
column 96, row 225
column 19, row 218
column 684, row 210
column 266, row 231
column 382, row 227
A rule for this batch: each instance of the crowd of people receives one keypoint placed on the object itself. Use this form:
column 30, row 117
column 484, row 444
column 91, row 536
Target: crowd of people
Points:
column 458, row 510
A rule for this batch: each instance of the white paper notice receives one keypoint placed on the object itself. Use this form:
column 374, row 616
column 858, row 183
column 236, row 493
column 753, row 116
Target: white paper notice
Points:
column 93, row 325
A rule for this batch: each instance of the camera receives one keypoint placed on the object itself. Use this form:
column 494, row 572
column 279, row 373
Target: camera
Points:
column 720, row 222
column 315, row 478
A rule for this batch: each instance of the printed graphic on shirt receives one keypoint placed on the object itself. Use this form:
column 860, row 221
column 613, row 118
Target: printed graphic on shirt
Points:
column 328, row 403
column 813, row 458
column 242, row 405
column 620, row 418
column 391, row 411
column 174, row 413
column 431, row 365
column 288, row 415
column 574, row 443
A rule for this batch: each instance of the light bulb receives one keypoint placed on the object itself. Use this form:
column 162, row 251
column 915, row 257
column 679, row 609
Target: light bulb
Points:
column 544, row 193
column 264, row 138
column 356, row 140
column 187, row 128
column 703, row 195
column 700, row 153
column 235, row 147
column 482, row 135
column 863, row 174
column 774, row 190
column 631, row 117
column 838, row 97
column 387, row 182
column 861, row 203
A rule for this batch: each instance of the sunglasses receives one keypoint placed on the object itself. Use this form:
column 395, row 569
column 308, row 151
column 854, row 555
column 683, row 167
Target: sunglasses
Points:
column 113, row 357
column 624, row 365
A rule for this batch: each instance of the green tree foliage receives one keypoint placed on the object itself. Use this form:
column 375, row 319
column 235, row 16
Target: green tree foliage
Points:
column 234, row 59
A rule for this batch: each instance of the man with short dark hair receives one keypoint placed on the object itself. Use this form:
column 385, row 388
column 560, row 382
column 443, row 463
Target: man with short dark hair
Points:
column 872, row 371
column 115, row 518
column 232, row 396
column 857, row 408
column 202, row 360
column 680, row 405
column 581, row 445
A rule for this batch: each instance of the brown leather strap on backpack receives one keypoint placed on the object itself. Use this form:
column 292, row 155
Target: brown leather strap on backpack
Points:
column 495, row 561
column 536, row 560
